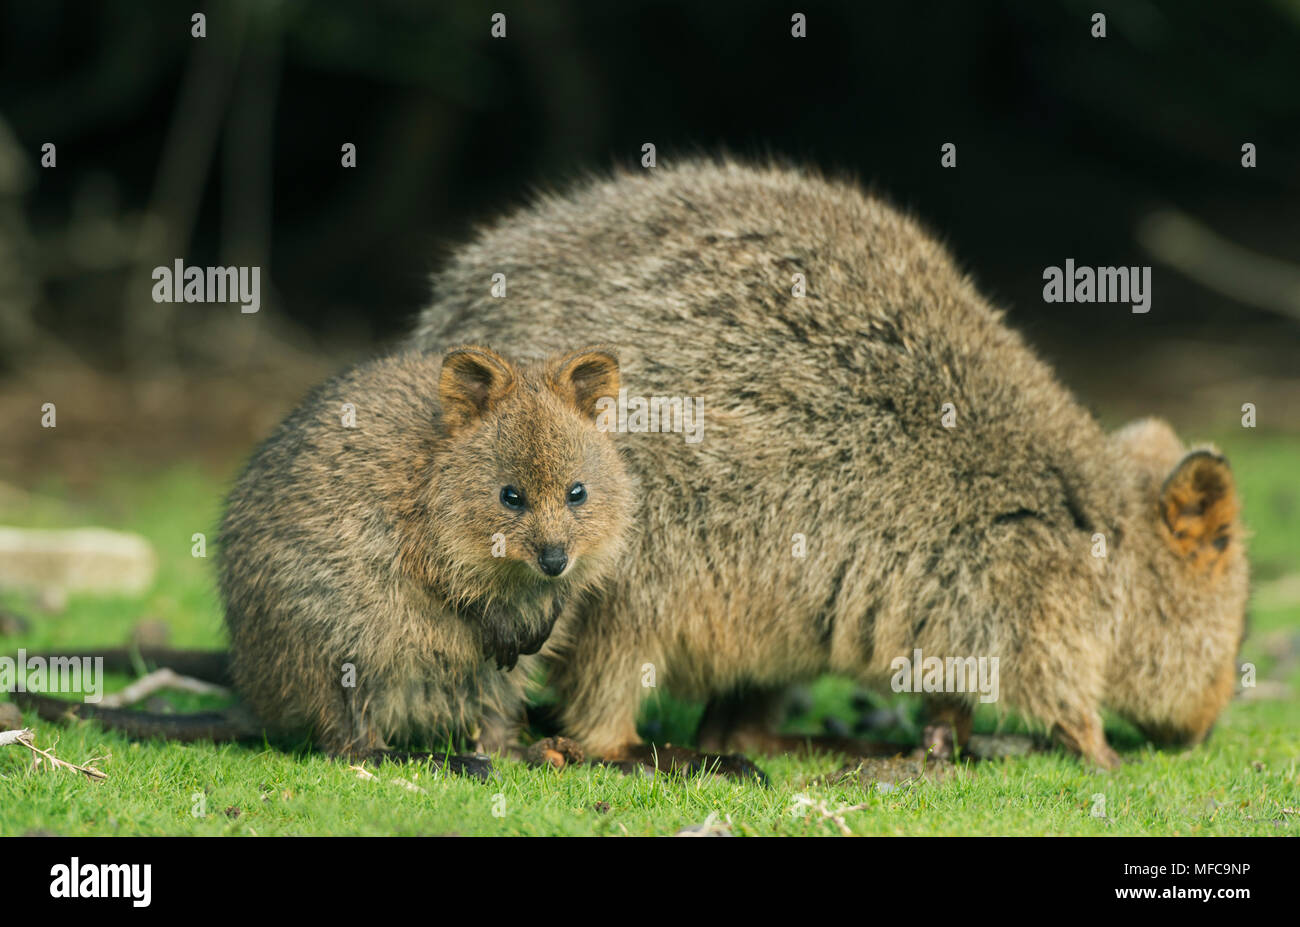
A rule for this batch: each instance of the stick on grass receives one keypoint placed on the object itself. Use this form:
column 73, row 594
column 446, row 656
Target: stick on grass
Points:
column 26, row 738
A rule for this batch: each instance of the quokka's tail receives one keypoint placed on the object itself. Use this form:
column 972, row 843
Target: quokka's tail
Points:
column 209, row 666
column 231, row 724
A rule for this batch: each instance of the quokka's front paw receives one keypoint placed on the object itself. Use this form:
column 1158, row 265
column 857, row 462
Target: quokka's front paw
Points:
column 556, row 752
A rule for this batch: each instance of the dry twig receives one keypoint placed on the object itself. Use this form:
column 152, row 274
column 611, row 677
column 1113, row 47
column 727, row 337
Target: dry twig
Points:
column 363, row 773
column 26, row 738
column 806, row 804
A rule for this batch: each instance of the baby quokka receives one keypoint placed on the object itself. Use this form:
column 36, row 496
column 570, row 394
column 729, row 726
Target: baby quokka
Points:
column 388, row 579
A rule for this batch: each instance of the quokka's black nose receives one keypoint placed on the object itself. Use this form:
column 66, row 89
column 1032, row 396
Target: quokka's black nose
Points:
column 553, row 560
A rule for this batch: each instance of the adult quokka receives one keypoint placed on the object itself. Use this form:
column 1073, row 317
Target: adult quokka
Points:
column 392, row 556
column 885, row 467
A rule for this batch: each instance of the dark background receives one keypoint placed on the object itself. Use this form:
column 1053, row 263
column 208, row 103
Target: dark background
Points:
column 227, row 150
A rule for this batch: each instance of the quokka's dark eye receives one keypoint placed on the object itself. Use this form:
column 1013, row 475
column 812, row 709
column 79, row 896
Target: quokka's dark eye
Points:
column 577, row 494
column 512, row 498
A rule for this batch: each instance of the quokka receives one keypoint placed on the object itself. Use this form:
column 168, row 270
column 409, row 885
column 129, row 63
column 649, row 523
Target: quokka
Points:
column 866, row 407
column 394, row 553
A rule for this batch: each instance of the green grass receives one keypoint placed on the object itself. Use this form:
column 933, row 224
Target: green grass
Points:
column 1246, row 780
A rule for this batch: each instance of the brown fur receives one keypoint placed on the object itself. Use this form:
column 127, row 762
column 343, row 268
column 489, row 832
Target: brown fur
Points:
column 372, row 545
column 823, row 417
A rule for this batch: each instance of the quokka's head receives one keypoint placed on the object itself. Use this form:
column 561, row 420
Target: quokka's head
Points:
column 1176, row 662
column 529, row 490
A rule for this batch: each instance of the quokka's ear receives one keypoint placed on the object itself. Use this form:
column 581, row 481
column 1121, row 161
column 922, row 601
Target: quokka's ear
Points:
column 472, row 382
column 583, row 376
column 1198, row 507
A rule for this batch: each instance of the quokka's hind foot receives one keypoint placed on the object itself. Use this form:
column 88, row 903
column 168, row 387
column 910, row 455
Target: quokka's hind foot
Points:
column 473, row 766
column 1105, row 759
column 1084, row 736
column 683, row 761
column 556, row 752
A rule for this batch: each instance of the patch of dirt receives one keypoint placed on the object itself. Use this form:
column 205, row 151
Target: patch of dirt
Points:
column 888, row 773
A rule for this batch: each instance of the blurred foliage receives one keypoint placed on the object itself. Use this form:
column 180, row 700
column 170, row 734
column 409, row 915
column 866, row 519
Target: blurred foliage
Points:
column 1064, row 141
